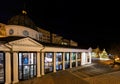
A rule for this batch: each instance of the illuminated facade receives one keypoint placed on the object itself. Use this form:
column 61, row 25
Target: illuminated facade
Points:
column 2, row 30
column 24, row 56
column 56, row 39
column 44, row 35
column 73, row 43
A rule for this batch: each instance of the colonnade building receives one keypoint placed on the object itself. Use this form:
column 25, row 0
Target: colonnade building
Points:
column 27, row 51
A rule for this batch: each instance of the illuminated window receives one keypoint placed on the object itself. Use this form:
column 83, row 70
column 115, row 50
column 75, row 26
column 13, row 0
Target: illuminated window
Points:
column 48, row 60
column 67, row 60
column 2, row 73
column 58, row 61
column 73, row 59
column 27, row 65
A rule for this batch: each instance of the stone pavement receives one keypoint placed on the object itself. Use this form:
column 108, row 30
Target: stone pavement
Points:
column 98, row 74
column 60, row 77
column 88, row 74
column 110, row 78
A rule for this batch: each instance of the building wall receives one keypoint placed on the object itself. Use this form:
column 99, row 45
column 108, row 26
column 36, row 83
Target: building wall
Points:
column 45, row 35
column 65, row 42
column 73, row 43
column 2, row 30
column 14, row 30
column 41, row 34
column 56, row 39
column 29, row 46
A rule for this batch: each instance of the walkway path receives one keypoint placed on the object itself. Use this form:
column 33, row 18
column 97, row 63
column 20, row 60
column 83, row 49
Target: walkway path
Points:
column 60, row 77
column 98, row 73
column 95, row 73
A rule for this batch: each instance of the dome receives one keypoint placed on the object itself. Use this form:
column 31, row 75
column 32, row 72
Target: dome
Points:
column 23, row 20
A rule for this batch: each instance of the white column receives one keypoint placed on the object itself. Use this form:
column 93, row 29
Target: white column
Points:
column 86, row 57
column 38, row 64
column 15, row 67
column 70, row 60
column 54, row 62
column 76, row 59
column 83, row 58
column 42, row 62
column 7, row 68
column 63, row 60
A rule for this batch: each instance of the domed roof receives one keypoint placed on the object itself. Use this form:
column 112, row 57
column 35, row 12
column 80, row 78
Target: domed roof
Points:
column 23, row 20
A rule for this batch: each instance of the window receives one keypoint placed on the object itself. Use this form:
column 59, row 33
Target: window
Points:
column 48, row 60
column 58, row 61
column 25, row 32
column 73, row 59
column 67, row 57
column 67, row 60
column 2, row 67
column 73, row 56
column 79, row 56
column 27, row 65
column 11, row 31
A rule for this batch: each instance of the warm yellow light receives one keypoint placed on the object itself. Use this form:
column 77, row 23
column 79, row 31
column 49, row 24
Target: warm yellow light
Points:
column 24, row 12
column 116, row 59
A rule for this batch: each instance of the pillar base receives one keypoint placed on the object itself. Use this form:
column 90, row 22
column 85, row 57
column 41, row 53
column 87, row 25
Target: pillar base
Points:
column 43, row 74
column 14, row 82
column 38, row 75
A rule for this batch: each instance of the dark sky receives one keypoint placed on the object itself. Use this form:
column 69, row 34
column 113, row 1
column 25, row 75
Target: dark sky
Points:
column 90, row 24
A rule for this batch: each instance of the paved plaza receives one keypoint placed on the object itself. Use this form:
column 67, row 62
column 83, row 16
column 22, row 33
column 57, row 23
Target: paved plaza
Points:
column 98, row 74
column 95, row 73
column 61, row 77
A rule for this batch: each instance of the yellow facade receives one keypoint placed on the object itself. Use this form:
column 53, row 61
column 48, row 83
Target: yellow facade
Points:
column 56, row 39
column 45, row 35
column 2, row 30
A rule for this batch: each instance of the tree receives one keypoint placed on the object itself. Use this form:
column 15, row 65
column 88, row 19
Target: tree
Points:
column 115, row 51
column 104, row 54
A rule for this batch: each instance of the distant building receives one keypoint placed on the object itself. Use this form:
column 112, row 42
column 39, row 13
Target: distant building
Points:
column 65, row 42
column 73, row 43
column 56, row 39
column 44, row 35
column 97, row 53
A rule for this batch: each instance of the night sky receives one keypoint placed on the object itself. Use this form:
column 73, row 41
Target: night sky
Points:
column 89, row 24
